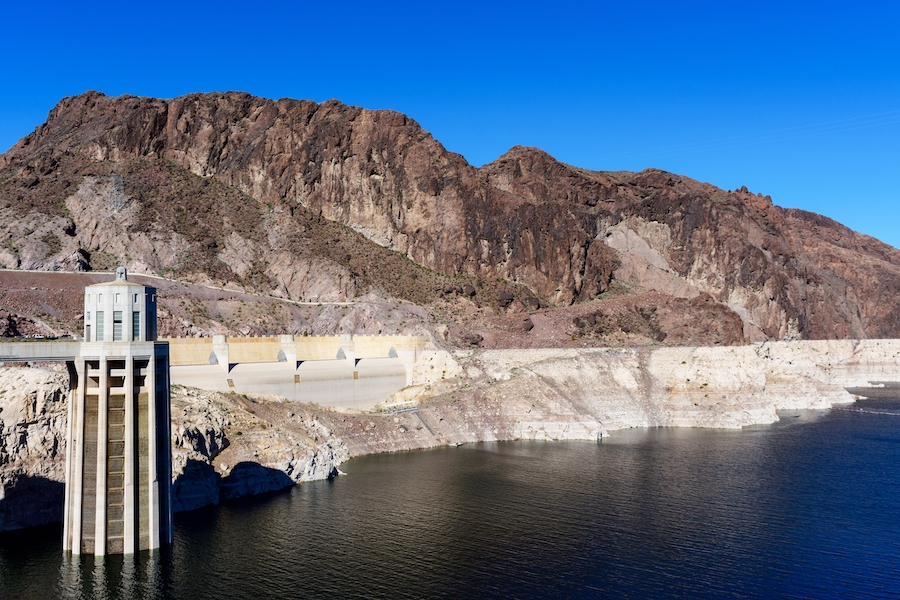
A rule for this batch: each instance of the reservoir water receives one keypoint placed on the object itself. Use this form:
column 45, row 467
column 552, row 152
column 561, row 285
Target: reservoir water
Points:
column 806, row 508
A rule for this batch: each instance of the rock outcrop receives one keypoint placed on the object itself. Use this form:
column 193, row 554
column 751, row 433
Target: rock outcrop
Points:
column 718, row 387
column 124, row 179
column 33, row 407
column 223, row 450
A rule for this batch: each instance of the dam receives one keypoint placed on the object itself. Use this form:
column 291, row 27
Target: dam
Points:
column 339, row 371
column 118, row 472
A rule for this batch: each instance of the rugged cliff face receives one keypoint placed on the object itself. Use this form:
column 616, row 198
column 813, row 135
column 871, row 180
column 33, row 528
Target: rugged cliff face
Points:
column 33, row 407
column 232, row 188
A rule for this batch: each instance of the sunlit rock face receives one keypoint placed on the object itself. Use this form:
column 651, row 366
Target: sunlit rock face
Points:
column 33, row 405
column 564, row 232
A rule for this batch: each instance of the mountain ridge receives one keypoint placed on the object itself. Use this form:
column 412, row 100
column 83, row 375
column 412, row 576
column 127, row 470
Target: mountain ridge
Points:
column 560, row 235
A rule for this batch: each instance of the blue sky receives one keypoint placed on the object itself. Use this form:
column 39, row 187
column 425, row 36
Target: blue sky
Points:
column 797, row 101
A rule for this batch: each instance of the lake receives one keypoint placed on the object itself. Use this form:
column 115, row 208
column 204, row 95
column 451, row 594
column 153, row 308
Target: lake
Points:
column 807, row 507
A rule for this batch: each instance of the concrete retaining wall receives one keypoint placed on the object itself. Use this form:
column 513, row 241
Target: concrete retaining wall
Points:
column 189, row 351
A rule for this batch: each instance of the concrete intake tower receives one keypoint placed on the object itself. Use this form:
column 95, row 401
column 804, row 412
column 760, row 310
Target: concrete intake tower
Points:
column 118, row 453
column 118, row 440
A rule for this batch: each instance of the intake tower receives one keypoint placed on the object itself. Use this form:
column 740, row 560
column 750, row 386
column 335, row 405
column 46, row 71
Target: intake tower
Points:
column 118, row 438
column 118, row 455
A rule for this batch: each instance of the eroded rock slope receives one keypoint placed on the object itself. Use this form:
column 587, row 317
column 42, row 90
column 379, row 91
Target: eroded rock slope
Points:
column 237, row 189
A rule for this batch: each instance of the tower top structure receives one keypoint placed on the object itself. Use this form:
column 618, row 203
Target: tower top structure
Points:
column 119, row 311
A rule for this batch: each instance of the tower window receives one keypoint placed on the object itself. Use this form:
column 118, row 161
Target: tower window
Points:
column 136, row 326
column 117, row 325
column 100, row 325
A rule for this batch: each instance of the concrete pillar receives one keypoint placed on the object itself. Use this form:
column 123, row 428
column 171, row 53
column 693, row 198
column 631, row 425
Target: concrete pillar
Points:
column 74, row 488
column 408, row 358
column 220, row 349
column 151, row 474
column 163, row 429
column 102, row 440
column 70, row 427
column 289, row 348
column 349, row 348
column 130, row 456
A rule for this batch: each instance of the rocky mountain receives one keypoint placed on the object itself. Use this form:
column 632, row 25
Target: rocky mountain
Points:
column 327, row 202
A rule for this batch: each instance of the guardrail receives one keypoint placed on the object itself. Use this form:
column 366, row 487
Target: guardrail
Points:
column 399, row 406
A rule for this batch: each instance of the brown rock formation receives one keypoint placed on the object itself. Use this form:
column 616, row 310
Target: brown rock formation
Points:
column 262, row 173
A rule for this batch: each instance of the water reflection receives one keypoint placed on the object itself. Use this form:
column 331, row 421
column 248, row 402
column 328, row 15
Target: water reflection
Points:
column 71, row 584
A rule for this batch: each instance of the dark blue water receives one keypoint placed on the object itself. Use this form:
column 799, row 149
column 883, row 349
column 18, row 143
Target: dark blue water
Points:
column 806, row 508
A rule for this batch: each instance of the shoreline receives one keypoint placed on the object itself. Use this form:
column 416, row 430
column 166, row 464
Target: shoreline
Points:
column 232, row 445
column 507, row 395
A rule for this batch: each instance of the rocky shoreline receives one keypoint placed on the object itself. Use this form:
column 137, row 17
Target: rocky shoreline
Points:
column 231, row 445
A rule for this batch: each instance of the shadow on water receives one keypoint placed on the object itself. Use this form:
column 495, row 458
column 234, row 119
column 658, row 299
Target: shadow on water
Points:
column 197, row 485
column 200, row 485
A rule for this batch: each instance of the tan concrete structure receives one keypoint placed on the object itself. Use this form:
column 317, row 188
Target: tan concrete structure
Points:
column 343, row 371
column 118, row 452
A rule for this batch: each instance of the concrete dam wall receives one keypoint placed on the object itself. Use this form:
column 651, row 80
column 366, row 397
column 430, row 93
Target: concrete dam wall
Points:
column 343, row 371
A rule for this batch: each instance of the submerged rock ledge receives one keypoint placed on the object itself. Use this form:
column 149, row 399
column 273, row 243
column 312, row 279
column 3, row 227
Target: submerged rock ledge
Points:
column 230, row 445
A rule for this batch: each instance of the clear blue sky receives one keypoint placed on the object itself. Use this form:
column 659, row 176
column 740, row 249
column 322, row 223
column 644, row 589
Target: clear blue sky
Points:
column 800, row 101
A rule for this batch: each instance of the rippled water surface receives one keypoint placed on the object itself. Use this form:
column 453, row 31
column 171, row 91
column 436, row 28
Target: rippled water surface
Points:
column 808, row 507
